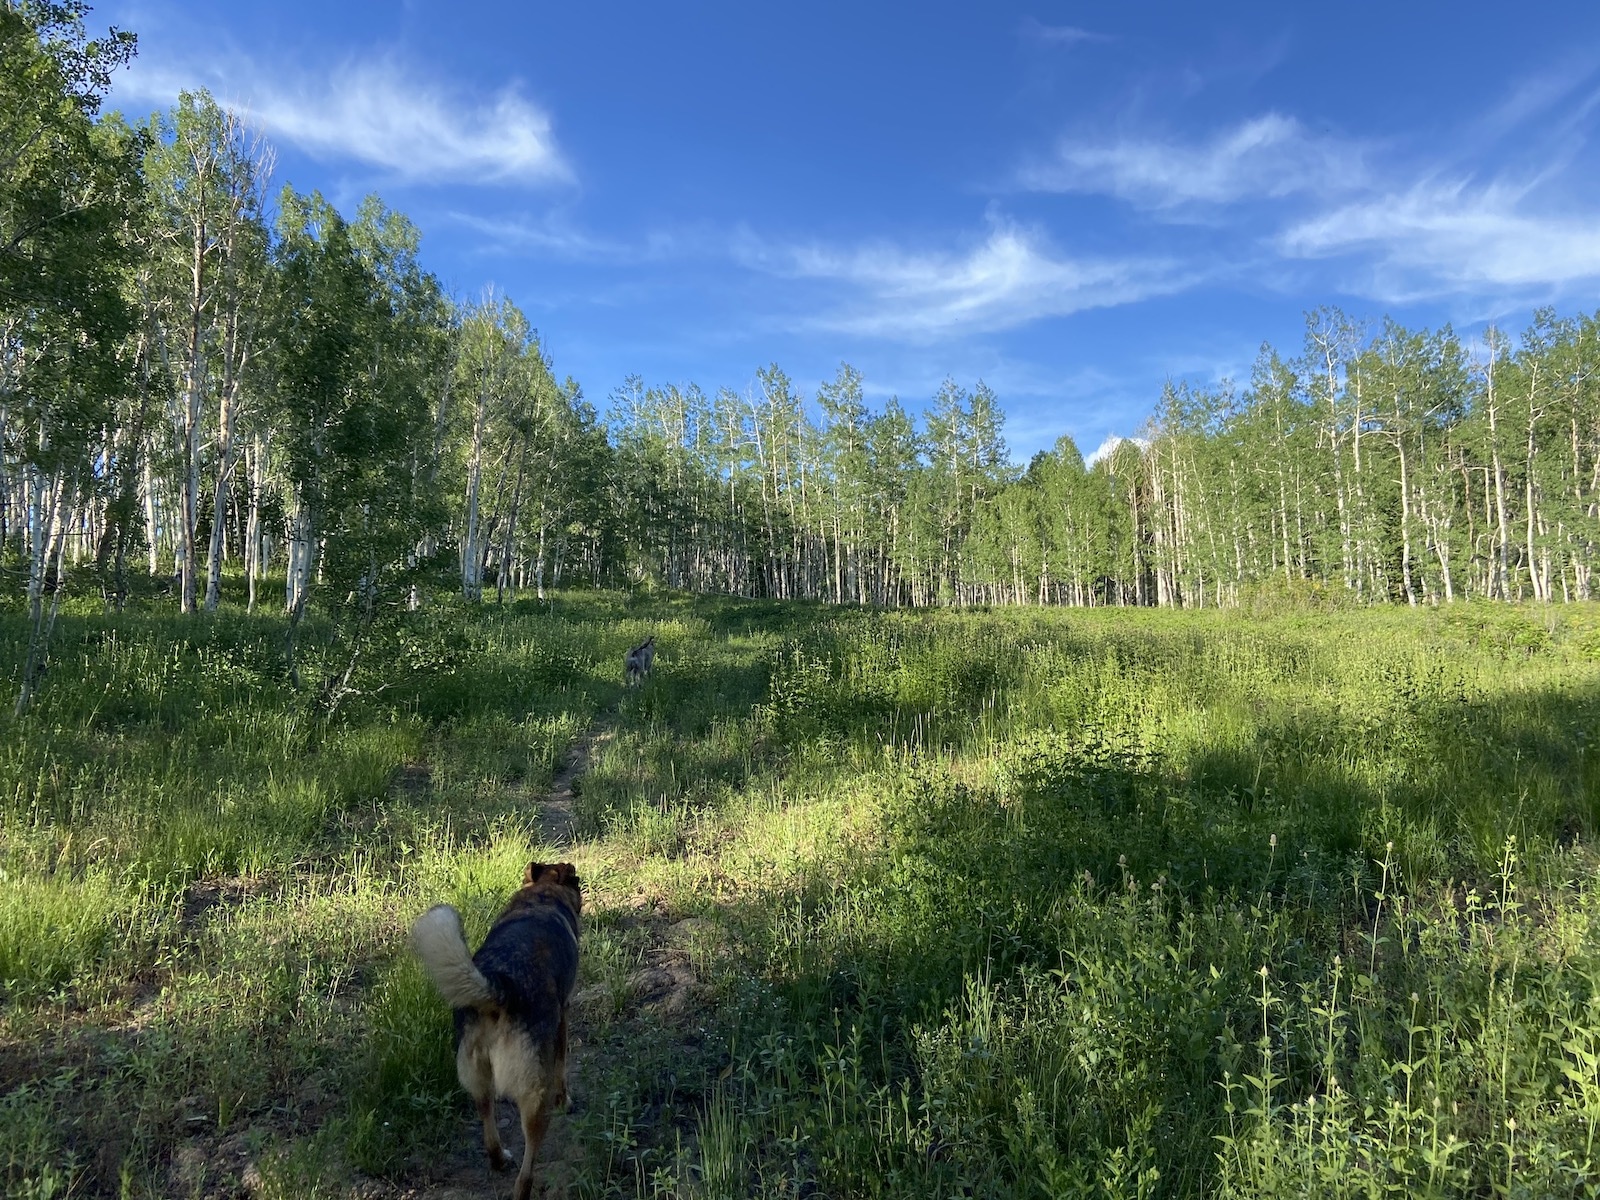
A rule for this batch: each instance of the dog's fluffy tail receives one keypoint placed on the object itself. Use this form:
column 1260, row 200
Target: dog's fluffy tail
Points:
column 439, row 941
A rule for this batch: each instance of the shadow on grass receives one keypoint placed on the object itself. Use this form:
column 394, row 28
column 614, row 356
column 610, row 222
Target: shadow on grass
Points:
column 1053, row 975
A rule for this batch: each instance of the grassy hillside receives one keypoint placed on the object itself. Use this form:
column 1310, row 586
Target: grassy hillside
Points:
column 955, row 903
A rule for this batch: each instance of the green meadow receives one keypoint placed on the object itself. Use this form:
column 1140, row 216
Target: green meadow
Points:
column 1001, row 903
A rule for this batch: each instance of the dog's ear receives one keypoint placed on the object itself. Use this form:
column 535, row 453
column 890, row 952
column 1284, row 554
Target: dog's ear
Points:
column 567, row 875
column 532, row 874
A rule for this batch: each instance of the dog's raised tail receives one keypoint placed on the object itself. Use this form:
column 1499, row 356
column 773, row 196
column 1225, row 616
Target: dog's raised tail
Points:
column 441, row 944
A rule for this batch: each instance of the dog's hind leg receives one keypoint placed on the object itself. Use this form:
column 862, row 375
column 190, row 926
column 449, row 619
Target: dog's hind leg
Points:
column 478, row 1079
column 491, row 1134
column 559, row 1098
column 535, row 1120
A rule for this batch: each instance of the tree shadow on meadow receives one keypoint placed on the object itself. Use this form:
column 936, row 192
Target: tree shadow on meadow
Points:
column 1090, row 936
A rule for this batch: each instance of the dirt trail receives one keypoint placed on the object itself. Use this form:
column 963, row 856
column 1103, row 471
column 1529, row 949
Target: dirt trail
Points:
column 661, row 989
column 462, row 1174
column 556, row 820
column 659, row 992
column 558, row 827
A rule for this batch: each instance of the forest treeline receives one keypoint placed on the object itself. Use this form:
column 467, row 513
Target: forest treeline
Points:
column 200, row 374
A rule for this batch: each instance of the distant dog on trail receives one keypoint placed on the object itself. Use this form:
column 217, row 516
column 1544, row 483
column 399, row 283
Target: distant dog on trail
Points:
column 636, row 665
column 510, row 1002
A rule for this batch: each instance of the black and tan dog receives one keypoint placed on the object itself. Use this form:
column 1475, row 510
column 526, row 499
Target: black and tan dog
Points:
column 510, row 1001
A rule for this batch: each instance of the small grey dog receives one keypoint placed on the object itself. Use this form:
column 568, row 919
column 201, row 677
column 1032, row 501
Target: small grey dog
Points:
column 639, row 660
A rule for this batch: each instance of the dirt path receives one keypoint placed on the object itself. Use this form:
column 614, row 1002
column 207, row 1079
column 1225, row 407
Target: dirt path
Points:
column 558, row 827
column 463, row 1174
column 556, row 820
column 656, row 994
column 661, row 989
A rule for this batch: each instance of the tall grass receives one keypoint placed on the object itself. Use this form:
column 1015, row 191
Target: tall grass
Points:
column 990, row 903
column 1110, row 904
column 206, row 882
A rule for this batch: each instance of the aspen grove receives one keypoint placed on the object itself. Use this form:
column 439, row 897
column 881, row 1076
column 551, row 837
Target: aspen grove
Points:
column 202, row 374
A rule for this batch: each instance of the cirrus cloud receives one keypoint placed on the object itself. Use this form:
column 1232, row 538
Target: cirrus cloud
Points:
column 1011, row 278
column 1268, row 156
column 1440, row 237
column 380, row 112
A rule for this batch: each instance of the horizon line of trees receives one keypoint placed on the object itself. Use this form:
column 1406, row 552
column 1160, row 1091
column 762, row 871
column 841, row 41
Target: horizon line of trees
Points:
column 198, row 375
column 1392, row 464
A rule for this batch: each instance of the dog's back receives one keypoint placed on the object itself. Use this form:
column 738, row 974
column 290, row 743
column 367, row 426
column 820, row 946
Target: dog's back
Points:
column 530, row 961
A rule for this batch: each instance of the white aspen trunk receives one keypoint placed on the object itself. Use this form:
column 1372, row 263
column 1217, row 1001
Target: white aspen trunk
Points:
column 1346, row 554
column 509, row 545
column 1300, row 523
column 1159, row 529
column 490, row 527
column 471, row 554
column 1182, row 534
column 1502, row 568
column 46, row 532
column 219, row 497
column 252, row 532
column 839, row 557
column 192, row 400
column 1346, row 560
column 302, row 556
column 1367, row 570
column 1536, row 579
column 1405, row 523
column 1488, row 585
column 1440, row 526
column 188, row 502
column 1579, row 568
column 538, row 570
column 235, row 358
column 1532, row 559
column 1283, row 520
column 152, row 525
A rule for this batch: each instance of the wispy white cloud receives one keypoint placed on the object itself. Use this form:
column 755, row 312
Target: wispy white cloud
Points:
column 1060, row 35
column 1539, row 94
column 1011, row 278
column 1441, row 237
column 1503, row 218
column 380, row 112
column 547, row 235
column 1267, row 157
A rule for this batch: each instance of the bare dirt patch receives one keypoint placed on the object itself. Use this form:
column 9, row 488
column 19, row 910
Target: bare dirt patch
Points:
column 557, row 825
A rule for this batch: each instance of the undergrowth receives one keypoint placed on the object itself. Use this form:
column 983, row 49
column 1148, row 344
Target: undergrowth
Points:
column 1011, row 903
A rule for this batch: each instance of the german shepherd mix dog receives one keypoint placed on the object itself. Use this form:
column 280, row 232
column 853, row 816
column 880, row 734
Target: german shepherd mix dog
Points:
column 510, row 1001
column 639, row 660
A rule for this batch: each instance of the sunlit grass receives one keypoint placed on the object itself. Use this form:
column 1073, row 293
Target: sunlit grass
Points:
column 984, row 899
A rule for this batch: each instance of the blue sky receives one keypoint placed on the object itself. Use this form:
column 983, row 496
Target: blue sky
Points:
column 1071, row 202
